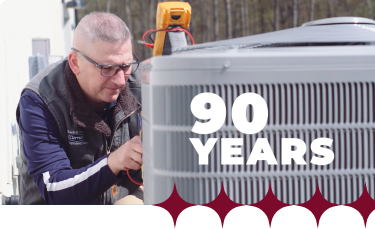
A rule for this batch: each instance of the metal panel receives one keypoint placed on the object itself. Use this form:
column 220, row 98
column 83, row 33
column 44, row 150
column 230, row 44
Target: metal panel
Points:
column 333, row 100
column 36, row 64
column 345, row 33
column 41, row 46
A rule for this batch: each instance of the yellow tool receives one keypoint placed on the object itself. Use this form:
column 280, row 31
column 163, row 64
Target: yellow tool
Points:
column 170, row 15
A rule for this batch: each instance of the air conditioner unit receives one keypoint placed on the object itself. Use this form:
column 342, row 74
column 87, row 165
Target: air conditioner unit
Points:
column 317, row 80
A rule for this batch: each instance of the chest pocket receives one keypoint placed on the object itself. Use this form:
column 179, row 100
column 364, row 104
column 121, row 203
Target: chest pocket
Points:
column 121, row 135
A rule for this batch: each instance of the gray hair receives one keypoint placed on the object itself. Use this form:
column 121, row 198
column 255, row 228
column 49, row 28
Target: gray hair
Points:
column 103, row 26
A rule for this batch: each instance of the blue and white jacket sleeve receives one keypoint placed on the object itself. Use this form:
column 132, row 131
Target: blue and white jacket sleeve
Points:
column 48, row 163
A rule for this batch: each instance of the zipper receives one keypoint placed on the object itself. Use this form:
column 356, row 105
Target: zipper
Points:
column 109, row 148
column 106, row 144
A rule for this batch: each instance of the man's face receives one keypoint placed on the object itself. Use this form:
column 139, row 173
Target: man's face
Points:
column 101, row 90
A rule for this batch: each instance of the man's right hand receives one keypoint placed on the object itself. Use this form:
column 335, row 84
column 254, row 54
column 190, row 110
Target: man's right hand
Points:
column 128, row 156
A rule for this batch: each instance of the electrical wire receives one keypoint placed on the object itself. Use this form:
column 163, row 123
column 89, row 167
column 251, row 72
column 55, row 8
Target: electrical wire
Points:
column 131, row 179
column 151, row 31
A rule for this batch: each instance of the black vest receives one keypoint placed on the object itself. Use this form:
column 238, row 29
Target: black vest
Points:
column 58, row 88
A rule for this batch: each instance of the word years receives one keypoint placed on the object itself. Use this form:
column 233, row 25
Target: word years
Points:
column 291, row 148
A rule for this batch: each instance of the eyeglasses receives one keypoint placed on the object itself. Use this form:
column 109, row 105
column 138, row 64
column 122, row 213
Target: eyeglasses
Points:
column 112, row 69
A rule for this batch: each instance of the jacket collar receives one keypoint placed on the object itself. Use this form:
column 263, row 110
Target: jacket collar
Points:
column 85, row 116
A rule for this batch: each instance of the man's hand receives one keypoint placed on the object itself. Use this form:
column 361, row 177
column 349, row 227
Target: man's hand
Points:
column 128, row 156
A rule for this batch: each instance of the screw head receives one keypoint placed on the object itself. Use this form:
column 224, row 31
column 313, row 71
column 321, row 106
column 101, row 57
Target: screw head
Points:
column 227, row 64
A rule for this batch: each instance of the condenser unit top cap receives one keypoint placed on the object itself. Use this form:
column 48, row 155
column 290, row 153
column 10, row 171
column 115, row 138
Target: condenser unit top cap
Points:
column 340, row 20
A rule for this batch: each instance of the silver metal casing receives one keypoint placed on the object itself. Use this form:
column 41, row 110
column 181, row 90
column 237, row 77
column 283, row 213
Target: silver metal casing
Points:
column 311, row 92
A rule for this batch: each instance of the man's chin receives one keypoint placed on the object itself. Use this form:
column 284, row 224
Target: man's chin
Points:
column 110, row 98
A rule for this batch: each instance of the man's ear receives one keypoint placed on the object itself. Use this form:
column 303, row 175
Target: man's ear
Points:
column 73, row 63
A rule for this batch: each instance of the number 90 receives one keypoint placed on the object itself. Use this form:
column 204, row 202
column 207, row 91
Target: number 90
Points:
column 217, row 113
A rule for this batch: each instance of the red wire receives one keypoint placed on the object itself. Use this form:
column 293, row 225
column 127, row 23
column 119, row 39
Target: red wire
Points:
column 135, row 182
column 166, row 30
column 144, row 35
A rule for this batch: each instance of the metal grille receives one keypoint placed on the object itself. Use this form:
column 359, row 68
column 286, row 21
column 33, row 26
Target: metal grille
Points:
column 288, row 104
column 342, row 111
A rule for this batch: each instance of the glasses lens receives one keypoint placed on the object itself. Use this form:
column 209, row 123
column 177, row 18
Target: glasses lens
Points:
column 113, row 70
column 109, row 70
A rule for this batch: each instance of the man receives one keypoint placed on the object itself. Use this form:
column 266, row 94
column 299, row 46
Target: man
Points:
column 79, row 121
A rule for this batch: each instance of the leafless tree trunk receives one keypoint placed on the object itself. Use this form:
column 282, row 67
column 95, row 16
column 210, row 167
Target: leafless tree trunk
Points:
column 255, row 8
column 128, row 15
column 151, row 22
column 369, row 8
column 295, row 13
column 228, row 19
column 97, row 5
column 144, row 29
column 286, row 11
column 312, row 7
column 347, row 8
column 329, row 9
column 191, row 24
column 108, row 6
column 208, row 20
column 152, row 19
column 262, row 16
column 237, row 24
column 216, row 20
column 247, row 25
column 243, row 17
column 335, row 7
column 276, row 15
column 203, row 24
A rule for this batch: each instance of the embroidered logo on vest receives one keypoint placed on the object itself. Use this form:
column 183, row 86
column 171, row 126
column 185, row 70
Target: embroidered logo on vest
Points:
column 76, row 137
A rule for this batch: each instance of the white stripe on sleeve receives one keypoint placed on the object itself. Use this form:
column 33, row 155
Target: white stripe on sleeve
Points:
column 57, row 186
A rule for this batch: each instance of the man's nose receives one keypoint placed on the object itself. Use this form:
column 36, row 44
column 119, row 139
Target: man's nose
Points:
column 120, row 78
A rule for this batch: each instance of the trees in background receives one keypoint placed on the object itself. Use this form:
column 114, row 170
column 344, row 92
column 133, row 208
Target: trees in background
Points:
column 222, row 19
